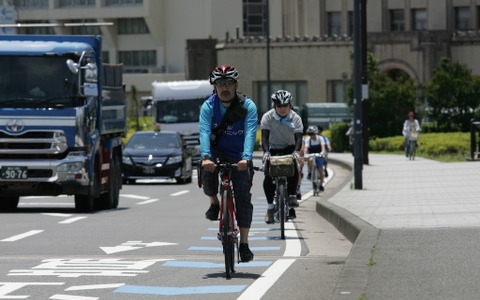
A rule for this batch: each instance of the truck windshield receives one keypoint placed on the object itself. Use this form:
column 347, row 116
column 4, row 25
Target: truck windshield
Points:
column 43, row 81
column 178, row 111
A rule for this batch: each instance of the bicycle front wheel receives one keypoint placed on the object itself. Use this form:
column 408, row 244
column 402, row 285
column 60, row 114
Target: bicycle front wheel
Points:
column 314, row 178
column 227, row 240
column 281, row 208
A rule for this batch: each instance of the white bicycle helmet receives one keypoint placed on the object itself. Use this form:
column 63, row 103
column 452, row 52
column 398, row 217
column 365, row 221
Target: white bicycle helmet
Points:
column 312, row 130
column 227, row 72
column 281, row 97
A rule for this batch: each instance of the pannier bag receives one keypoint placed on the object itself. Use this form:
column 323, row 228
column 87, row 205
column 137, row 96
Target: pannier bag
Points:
column 281, row 166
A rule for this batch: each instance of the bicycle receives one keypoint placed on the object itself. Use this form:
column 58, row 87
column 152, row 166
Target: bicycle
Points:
column 317, row 166
column 228, row 231
column 279, row 168
column 412, row 145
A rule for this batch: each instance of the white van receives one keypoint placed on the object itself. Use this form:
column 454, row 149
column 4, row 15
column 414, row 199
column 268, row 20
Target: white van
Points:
column 176, row 107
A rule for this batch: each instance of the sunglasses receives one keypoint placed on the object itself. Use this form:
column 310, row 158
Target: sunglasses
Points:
column 283, row 105
column 228, row 83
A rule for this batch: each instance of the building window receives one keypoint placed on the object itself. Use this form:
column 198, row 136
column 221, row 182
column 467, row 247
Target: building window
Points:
column 419, row 19
column 337, row 90
column 334, row 23
column 297, row 88
column 106, row 57
column 254, row 18
column 147, row 58
column 132, row 26
column 86, row 30
column 37, row 29
column 397, row 20
column 68, row 3
column 123, row 2
column 31, row 3
column 462, row 18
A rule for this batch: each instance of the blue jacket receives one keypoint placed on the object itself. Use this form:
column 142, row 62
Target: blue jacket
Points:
column 238, row 140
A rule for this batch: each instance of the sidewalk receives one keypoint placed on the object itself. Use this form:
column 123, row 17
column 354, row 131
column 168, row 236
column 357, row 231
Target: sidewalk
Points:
column 415, row 226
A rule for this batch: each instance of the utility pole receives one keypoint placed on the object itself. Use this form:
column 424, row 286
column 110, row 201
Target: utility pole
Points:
column 267, row 37
column 357, row 96
column 365, row 103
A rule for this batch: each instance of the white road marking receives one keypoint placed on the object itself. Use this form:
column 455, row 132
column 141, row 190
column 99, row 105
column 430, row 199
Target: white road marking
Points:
column 57, row 215
column 134, row 196
column 70, row 297
column 94, row 287
column 21, row 236
column 267, row 280
column 147, row 201
column 293, row 247
column 71, row 220
column 179, row 193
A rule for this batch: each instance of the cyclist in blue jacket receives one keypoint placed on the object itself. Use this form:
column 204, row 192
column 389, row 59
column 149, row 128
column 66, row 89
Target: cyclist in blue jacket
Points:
column 228, row 127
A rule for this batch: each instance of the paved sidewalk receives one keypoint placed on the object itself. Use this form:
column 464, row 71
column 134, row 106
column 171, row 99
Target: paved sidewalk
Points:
column 408, row 225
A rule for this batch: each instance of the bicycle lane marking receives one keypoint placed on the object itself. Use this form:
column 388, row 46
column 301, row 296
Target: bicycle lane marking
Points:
column 293, row 248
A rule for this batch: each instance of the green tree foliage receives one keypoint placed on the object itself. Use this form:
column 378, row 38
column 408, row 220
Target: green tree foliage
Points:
column 453, row 94
column 390, row 100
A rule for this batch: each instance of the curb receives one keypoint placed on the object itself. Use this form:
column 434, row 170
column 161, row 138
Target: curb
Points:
column 353, row 279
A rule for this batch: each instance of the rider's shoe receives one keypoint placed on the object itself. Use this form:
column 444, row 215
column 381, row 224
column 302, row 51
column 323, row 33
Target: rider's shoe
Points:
column 309, row 176
column 293, row 202
column 321, row 188
column 291, row 214
column 326, row 172
column 245, row 254
column 269, row 216
column 212, row 212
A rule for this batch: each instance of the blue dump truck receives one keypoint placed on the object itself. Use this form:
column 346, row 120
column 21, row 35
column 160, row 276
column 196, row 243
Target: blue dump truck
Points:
column 62, row 119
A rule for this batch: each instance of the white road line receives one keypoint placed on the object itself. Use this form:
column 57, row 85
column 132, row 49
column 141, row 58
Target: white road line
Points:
column 57, row 215
column 71, row 220
column 70, row 297
column 180, row 193
column 267, row 280
column 147, row 201
column 21, row 236
column 134, row 196
column 293, row 247
column 94, row 287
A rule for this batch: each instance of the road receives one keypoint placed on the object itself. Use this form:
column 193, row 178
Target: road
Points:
column 158, row 244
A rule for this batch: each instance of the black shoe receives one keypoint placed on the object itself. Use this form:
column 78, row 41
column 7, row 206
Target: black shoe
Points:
column 321, row 188
column 309, row 176
column 293, row 202
column 269, row 216
column 326, row 173
column 212, row 212
column 245, row 254
column 291, row 214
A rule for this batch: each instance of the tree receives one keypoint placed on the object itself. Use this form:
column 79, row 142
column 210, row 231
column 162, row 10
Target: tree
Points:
column 390, row 99
column 453, row 95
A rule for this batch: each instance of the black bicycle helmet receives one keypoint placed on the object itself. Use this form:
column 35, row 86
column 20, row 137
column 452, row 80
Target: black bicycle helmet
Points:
column 227, row 72
column 281, row 97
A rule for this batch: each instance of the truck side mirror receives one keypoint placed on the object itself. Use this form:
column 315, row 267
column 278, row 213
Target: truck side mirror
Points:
column 72, row 66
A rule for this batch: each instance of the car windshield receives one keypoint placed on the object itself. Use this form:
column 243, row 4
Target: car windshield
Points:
column 154, row 141
column 36, row 82
column 181, row 111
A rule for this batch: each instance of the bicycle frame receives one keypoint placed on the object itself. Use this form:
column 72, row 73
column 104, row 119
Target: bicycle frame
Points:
column 228, row 231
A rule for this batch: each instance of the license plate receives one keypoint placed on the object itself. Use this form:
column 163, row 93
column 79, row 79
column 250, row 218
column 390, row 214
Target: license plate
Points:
column 149, row 170
column 12, row 172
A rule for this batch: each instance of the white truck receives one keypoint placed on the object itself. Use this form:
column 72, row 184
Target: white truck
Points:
column 176, row 107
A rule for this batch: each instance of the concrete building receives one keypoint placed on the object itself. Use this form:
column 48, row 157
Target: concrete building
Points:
column 310, row 40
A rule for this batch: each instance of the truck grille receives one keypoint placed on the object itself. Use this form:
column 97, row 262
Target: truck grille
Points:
column 33, row 144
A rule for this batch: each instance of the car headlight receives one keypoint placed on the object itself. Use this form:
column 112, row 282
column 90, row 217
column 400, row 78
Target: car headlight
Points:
column 70, row 167
column 174, row 160
column 127, row 160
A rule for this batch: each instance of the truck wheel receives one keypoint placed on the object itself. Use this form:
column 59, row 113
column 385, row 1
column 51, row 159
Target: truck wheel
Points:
column 84, row 203
column 9, row 203
column 109, row 200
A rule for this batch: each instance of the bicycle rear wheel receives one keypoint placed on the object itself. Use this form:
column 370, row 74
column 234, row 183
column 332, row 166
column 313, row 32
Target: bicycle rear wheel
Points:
column 281, row 208
column 227, row 239
column 314, row 178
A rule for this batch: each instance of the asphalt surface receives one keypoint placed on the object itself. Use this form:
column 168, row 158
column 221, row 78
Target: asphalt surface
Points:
column 415, row 228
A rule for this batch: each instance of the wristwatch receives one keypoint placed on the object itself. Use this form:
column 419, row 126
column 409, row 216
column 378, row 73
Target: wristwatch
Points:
column 205, row 157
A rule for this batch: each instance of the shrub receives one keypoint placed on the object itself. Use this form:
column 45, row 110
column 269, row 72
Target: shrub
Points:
column 338, row 140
